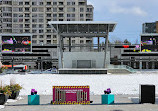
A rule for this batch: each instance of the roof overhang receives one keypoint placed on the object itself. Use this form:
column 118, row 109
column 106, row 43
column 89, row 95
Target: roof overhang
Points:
column 95, row 27
column 149, row 34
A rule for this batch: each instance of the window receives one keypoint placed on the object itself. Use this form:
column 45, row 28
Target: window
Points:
column 68, row 15
column 41, row 25
column 73, row 41
column 34, row 31
column 54, row 3
column 40, row 31
column 81, row 15
column 73, row 15
column 48, row 36
column 34, row 15
column 20, row 3
column 15, row 20
column 27, row 9
column 48, row 15
column 34, row 3
column 34, row 25
column 61, row 3
column 40, row 41
column 54, row 41
column 61, row 15
column 40, row 20
column 73, row 3
column 34, row 20
column 20, row 20
column 20, row 15
column 34, row 9
column 41, row 3
column 27, row 15
column 20, row 9
column 48, row 3
column 54, row 9
column 41, row 15
column 48, row 41
column 40, row 36
column 81, row 41
column 54, row 15
column 15, row 15
column 34, row 41
column 48, row 31
column 27, row 3
column 68, row 3
column 61, row 9
column 71, row 9
column 34, row 36
column 54, row 36
column 48, row 9
column 89, row 9
column 81, row 9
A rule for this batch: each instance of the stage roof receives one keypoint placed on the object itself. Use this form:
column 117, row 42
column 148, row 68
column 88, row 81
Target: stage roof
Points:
column 83, row 27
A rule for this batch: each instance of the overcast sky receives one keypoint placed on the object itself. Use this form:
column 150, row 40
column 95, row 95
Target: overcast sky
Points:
column 129, row 15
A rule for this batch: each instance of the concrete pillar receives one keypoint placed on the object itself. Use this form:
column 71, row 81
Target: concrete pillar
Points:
column 140, row 65
column 106, row 46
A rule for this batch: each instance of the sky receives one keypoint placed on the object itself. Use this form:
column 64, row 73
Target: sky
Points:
column 129, row 15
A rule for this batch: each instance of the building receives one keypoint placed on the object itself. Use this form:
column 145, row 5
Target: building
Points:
column 32, row 16
column 151, row 27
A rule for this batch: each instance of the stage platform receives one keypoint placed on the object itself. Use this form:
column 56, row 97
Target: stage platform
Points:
column 82, row 71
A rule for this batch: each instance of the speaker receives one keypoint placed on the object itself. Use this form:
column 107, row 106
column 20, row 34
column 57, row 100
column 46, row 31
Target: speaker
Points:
column 147, row 94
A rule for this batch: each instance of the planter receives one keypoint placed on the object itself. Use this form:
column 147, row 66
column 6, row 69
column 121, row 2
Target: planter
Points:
column 14, row 95
column 3, row 99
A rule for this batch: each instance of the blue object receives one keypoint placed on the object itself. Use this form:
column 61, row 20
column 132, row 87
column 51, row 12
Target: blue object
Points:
column 107, row 99
column 33, row 99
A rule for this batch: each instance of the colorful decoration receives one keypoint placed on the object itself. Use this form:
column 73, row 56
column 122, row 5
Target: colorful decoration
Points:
column 26, row 42
column 71, row 95
column 146, row 50
column 108, row 91
column 126, row 46
column 33, row 92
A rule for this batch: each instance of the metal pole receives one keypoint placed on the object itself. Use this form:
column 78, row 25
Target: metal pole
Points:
column 106, row 47
column 12, row 63
column 61, row 50
column 98, row 44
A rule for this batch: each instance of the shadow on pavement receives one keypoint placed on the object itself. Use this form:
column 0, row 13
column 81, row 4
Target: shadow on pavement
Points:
column 135, row 100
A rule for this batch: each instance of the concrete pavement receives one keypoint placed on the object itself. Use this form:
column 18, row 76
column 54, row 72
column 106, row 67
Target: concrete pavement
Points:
column 122, row 103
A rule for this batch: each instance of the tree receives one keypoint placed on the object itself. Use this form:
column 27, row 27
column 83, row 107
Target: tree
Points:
column 118, row 42
column 126, row 41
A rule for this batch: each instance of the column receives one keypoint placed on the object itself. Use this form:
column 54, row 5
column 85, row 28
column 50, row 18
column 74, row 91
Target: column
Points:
column 106, row 47
column 69, row 44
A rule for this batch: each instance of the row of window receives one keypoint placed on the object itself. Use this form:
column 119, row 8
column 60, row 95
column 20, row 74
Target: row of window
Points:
column 51, row 3
column 42, row 41
column 55, row 41
column 40, row 9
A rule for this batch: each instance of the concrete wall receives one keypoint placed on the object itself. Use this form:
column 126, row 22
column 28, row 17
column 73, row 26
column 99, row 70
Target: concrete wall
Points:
column 95, row 56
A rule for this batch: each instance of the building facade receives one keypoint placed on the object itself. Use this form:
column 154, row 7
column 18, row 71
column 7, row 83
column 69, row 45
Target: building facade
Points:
column 151, row 27
column 32, row 16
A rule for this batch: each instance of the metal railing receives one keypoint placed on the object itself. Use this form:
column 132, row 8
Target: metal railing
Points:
column 130, row 69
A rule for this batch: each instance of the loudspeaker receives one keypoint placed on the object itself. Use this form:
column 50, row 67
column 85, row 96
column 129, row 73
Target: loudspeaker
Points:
column 147, row 94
